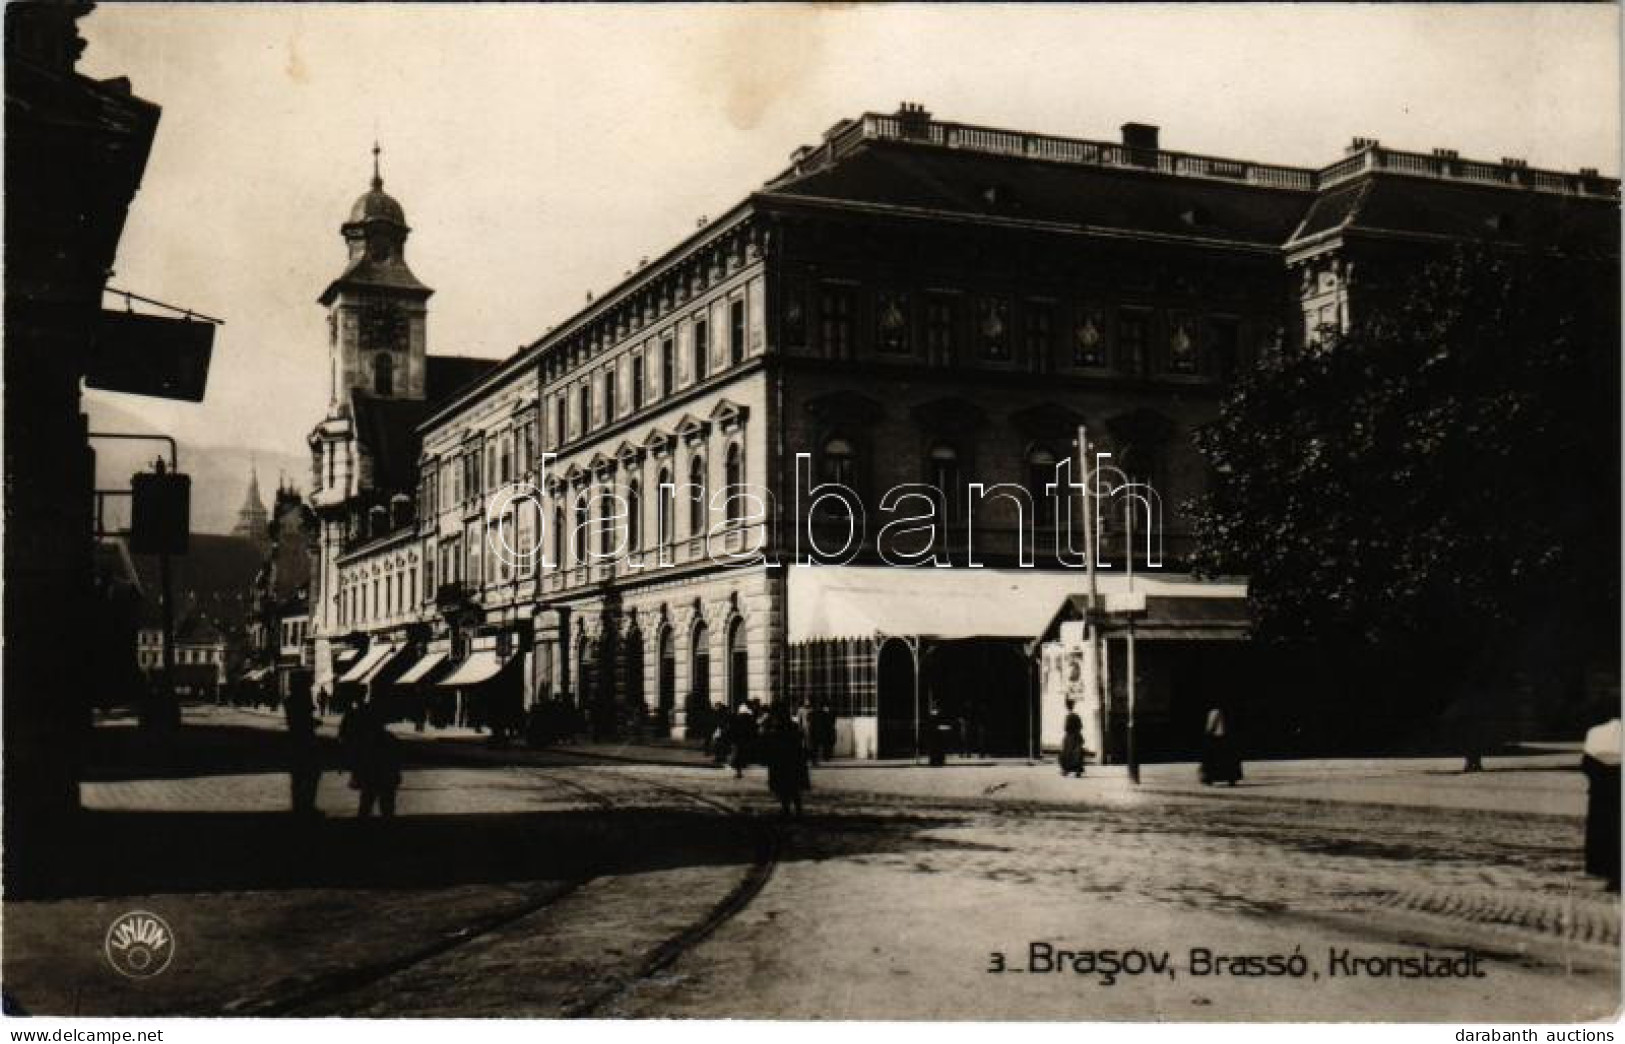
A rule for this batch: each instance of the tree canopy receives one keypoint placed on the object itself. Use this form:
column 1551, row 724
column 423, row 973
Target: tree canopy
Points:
column 1436, row 489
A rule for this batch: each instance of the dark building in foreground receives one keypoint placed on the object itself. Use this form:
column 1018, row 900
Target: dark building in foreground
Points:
column 912, row 301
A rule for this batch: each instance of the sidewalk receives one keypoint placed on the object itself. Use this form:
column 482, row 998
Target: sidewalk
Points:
column 1525, row 784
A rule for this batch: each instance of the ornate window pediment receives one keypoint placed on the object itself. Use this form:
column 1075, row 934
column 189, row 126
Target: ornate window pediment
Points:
column 658, row 442
column 628, row 454
column 601, row 464
column 692, row 428
column 575, row 475
column 729, row 416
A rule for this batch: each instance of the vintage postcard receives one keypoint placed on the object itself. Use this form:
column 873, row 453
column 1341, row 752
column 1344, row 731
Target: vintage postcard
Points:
column 1053, row 513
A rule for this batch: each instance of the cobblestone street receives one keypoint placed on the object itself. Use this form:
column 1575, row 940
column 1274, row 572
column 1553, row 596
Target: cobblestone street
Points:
column 596, row 881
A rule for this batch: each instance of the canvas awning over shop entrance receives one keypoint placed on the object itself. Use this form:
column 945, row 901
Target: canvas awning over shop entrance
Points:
column 957, row 603
column 256, row 674
column 391, row 655
column 480, row 666
column 420, row 670
column 363, row 667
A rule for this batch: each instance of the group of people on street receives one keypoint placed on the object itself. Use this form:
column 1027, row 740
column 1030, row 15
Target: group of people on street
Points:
column 786, row 743
column 370, row 751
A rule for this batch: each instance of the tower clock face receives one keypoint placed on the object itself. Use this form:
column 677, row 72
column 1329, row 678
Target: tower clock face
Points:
column 383, row 326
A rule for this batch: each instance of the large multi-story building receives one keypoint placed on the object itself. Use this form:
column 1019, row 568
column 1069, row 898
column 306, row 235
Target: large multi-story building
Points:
column 911, row 303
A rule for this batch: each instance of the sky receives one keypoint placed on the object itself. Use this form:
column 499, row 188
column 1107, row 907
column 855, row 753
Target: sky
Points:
column 540, row 151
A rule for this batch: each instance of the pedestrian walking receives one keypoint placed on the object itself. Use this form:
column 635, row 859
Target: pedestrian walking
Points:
column 743, row 738
column 1600, row 763
column 784, row 749
column 377, row 768
column 304, row 760
column 1072, row 743
column 1221, row 762
column 324, row 702
column 936, row 745
column 823, row 736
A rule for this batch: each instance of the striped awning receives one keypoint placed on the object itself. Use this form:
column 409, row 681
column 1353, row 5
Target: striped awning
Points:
column 363, row 668
column 421, row 670
column 480, row 666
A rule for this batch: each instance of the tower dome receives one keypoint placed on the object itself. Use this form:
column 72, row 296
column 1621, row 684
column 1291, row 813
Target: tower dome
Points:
column 376, row 204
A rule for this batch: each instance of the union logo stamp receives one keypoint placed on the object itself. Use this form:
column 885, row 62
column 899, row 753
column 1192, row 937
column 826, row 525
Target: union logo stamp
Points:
column 140, row 944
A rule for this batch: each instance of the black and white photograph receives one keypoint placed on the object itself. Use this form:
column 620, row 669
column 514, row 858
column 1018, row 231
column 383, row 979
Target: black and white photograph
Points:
column 1046, row 514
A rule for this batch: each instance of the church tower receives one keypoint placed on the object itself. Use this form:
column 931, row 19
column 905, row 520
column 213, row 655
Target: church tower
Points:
column 251, row 517
column 377, row 311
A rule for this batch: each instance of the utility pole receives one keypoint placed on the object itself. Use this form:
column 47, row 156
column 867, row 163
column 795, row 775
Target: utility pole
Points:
column 1092, row 629
column 1133, row 750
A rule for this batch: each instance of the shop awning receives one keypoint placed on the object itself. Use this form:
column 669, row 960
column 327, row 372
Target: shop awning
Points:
column 421, row 670
column 345, row 655
column 391, row 654
column 481, row 665
column 854, row 601
column 364, row 666
column 256, row 674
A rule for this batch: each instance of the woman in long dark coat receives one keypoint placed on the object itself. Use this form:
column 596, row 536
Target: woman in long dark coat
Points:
column 742, row 737
column 784, row 748
column 1221, row 763
column 1072, row 744
column 1600, row 762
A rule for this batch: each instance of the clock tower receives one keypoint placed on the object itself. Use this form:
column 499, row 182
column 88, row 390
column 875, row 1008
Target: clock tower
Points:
column 377, row 310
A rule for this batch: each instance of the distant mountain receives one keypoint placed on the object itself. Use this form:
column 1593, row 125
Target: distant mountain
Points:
column 219, row 473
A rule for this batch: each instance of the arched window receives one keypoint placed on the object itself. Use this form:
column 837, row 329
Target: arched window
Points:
column 606, row 523
column 668, row 672
column 838, row 464
column 733, row 478
column 696, row 505
column 944, row 474
column 582, row 513
column 700, row 662
column 383, row 374
column 738, row 664
column 840, row 461
column 1041, row 473
column 665, row 508
column 634, row 516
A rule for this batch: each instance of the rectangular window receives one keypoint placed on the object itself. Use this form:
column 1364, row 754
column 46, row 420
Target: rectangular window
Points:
column 1089, row 337
column 558, row 420
column 611, row 407
column 1182, row 345
column 1133, row 328
column 584, row 407
column 939, row 328
column 736, row 332
column 1038, row 328
column 993, row 328
column 891, row 323
column 835, row 322
column 702, row 349
column 668, row 365
column 428, row 569
column 637, row 381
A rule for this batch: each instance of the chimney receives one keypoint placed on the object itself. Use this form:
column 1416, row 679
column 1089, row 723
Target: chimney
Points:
column 1360, row 145
column 914, row 120
column 400, row 511
column 377, row 521
column 1140, row 136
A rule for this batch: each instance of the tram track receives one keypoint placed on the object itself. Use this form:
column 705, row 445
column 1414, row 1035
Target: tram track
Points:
column 326, row 994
